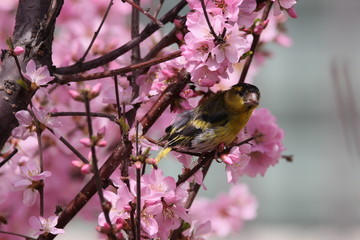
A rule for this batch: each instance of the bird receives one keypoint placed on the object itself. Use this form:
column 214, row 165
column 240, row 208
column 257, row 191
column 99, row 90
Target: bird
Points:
column 215, row 121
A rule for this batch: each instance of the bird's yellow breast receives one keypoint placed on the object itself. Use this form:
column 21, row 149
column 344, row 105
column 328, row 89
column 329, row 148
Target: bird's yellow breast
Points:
column 227, row 133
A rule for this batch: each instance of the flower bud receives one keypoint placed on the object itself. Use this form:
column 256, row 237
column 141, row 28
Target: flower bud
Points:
column 76, row 95
column 86, row 169
column 18, row 50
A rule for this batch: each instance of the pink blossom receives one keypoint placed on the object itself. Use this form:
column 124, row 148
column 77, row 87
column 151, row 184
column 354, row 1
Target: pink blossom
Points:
column 199, row 230
column 32, row 171
column 286, row 4
column 267, row 149
column 170, row 217
column 114, row 212
column 38, row 76
column 233, row 48
column 43, row 116
column 149, row 225
column 162, row 205
column 172, row 212
column 158, row 186
column 227, row 9
column 283, row 40
column 227, row 212
column 204, row 52
column 236, row 162
column 26, row 126
column 246, row 7
column 31, row 176
column 120, row 208
column 45, row 225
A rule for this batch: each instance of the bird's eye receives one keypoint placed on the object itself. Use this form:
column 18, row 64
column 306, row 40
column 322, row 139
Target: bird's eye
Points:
column 238, row 90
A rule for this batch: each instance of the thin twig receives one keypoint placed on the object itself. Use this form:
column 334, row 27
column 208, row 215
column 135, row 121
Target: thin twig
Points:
column 8, row 157
column 81, row 60
column 254, row 43
column 62, row 79
column 74, row 150
column 111, row 117
column 118, row 108
column 97, row 178
column 152, row 18
column 216, row 37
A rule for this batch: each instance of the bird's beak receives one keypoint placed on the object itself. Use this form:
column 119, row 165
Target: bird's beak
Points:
column 252, row 99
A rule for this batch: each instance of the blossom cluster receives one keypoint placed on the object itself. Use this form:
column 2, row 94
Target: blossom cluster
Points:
column 162, row 204
column 218, row 37
column 212, row 44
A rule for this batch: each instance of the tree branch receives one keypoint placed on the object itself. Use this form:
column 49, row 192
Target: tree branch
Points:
column 148, row 30
column 62, row 79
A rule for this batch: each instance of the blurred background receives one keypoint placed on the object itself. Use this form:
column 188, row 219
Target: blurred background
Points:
column 317, row 196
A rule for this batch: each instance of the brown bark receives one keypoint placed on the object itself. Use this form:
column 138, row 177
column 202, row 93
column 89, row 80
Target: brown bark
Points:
column 34, row 27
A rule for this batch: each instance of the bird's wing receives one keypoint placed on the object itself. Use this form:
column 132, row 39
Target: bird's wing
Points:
column 182, row 130
column 191, row 124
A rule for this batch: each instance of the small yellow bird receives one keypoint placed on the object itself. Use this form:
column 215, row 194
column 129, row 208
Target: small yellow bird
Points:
column 215, row 121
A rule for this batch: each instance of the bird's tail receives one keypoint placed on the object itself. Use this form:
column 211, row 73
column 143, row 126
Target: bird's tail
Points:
column 162, row 154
